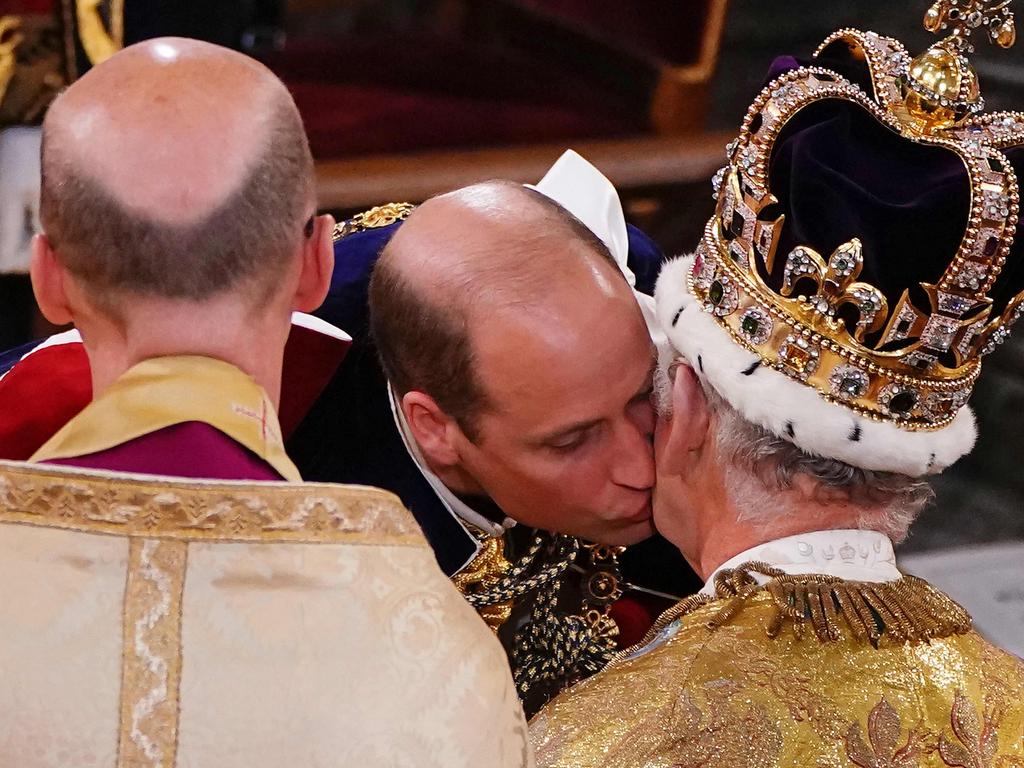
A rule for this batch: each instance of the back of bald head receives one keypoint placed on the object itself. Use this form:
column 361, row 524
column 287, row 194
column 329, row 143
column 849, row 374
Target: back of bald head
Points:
column 175, row 169
column 462, row 256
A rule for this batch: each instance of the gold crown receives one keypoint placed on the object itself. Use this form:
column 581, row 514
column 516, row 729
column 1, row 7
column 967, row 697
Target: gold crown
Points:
column 920, row 364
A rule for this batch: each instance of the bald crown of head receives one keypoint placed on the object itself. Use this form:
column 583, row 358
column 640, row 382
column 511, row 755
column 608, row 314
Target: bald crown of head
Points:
column 163, row 160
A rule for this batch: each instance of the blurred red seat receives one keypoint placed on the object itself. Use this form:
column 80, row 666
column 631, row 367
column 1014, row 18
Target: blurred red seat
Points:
column 461, row 76
column 408, row 94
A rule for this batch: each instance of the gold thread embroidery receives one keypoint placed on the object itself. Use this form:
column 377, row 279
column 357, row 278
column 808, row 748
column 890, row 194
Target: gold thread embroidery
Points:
column 380, row 216
column 794, row 689
column 188, row 510
column 729, row 733
column 907, row 610
column 151, row 656
column 635, row 715
column 884, row 731
column 976, row 742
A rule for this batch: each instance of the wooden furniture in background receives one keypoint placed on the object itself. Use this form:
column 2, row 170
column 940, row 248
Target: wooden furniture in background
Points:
column 350, row 184
column 410, row 99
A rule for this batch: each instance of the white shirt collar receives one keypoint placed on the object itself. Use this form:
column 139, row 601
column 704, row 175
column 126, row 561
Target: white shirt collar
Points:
column 848, row 554
column 456, row 506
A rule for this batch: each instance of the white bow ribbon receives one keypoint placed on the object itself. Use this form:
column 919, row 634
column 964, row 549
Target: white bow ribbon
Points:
column 587, row 194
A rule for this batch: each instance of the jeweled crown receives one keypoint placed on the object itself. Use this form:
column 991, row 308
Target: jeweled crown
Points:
column 911, row 358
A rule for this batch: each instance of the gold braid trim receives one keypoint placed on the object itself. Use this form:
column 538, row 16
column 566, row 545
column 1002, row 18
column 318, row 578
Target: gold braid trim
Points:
column 558, row 647
column 381, row 216
column 907, row 610
column 485, row 573
column 151, row 653
column 548, row 557
column 202, row 510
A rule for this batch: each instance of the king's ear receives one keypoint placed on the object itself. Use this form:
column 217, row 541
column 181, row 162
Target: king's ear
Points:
column 685, row 431
column 49, row 282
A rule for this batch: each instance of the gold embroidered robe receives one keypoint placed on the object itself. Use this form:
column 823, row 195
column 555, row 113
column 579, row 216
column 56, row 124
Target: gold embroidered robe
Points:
column 152, row 622
column 714, row 687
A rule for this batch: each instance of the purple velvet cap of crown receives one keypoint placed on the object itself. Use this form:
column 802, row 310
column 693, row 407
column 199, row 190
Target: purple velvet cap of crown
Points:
column 781, row 65
column 838, row 173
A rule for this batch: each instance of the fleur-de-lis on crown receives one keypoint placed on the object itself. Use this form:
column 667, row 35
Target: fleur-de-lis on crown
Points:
column 836, row 285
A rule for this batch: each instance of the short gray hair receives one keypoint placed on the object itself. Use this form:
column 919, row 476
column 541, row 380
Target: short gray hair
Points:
column 758, row 462
column 245, row 242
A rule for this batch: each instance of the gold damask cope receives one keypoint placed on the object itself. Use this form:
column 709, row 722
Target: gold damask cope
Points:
column 717, row 691
column 98, row 502
column 161, row 517
column 152, row 623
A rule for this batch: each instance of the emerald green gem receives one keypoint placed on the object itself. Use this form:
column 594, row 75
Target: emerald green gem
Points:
column 716, row 292
column 750, row 326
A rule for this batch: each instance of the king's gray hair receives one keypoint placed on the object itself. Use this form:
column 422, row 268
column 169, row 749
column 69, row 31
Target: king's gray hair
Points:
column 761, row 466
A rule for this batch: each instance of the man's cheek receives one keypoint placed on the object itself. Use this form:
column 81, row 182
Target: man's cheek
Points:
column 553, row 470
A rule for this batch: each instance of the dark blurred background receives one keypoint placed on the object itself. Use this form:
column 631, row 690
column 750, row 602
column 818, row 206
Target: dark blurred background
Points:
column 406, row 98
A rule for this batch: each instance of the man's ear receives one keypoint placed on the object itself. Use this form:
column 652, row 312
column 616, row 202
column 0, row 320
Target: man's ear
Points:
column 317, row 266
column 48, row 278
column 685, row 432
column 434, row 430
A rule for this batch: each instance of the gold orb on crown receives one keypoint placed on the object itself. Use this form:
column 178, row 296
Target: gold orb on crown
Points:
column 940, row 89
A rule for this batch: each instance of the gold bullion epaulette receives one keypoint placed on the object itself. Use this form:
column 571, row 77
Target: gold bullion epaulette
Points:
column 379, row 216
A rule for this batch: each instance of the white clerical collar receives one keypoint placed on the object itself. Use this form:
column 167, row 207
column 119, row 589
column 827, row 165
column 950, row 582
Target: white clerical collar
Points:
column 456, row 506
column 847, row 554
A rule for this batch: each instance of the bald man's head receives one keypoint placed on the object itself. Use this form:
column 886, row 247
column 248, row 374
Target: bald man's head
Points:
column 460, row 258
column 175, row 169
